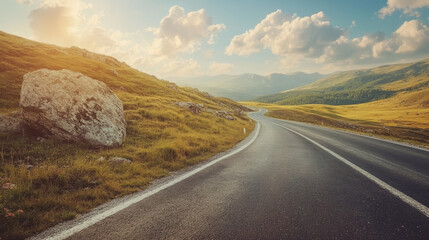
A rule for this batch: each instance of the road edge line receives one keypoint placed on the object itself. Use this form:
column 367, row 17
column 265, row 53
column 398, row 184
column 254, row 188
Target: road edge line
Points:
column 405, row 198
column 403, row 144
column 109, row 212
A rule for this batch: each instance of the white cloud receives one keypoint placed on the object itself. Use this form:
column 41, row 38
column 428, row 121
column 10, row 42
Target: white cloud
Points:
column 183, row 32
column 66, row 23
column 220, row 68
column 406, row 6
column 412, row 37
column 301, row 40
column 409, row 41
column 285, row 35
column 77, row 23
column 25, row 2
column 53, row 24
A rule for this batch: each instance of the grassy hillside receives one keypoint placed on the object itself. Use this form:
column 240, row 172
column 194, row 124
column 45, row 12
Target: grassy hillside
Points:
column 404, row 117
column 358, row 86
column 46, row 182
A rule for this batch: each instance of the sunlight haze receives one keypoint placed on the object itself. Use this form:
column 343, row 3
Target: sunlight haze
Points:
column 194, row 38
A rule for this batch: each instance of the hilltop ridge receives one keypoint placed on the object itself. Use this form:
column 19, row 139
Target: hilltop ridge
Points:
column 358, row 86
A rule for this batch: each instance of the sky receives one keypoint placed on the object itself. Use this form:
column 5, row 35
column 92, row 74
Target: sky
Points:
column 191, row 38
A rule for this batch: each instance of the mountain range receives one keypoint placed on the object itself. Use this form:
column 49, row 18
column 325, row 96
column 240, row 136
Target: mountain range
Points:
column 248, row 86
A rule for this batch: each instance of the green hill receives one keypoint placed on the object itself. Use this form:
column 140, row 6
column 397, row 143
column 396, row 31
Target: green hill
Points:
column 53, row 181
column 357, row 86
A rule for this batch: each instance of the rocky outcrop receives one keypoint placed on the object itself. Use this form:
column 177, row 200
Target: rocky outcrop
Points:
column 11, row 122
column 70, row 106
column 225, row 114
column 193, row 107
column 197, row 108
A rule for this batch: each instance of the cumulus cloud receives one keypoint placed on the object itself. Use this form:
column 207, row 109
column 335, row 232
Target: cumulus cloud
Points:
column 409, row 41
column 77, row 23
column 285, row 35
column 64, row 22
column 183, row 32
column 53, row 24
column 299, row 40
column 220, row 68
column 411, row 37
column 406, row 6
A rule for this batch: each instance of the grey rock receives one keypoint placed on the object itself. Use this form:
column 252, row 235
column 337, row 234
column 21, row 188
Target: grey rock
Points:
column 119, row 160
column 71, row 106
column 225, row 114
column 193, row 107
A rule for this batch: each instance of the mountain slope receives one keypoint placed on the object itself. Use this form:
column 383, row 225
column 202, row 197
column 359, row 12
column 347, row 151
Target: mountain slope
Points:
column 358, row 86
column 53, row 181
column 248, row 86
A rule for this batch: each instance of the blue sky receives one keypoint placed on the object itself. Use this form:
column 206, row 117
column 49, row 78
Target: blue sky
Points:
column 201, row 37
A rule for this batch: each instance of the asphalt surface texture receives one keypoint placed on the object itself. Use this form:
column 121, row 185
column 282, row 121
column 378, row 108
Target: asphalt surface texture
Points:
column 284, row 186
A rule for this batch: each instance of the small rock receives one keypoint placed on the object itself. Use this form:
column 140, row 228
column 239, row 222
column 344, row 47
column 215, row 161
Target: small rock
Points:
column 101, row 159
column 8, row 186
column 40, row 139
column 94, row 182
column 119, row 160
column 116, row 73
column 29, row 166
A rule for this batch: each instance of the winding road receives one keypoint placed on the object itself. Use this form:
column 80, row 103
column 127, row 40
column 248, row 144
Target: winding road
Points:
column 294, row 181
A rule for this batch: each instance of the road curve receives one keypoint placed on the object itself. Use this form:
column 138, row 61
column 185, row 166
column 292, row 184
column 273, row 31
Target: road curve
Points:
column 287, row 185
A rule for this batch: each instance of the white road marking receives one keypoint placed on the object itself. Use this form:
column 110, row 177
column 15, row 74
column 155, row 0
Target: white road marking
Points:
column 405, row 198
column 102, row 215
column 360, row 135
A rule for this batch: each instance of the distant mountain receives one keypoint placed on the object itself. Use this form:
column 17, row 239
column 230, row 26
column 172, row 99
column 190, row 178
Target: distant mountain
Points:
column 248, row 86
column 357, row 86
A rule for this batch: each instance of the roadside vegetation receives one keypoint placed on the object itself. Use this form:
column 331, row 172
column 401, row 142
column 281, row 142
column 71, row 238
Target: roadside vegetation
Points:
column 44, row 182
column 404, row 117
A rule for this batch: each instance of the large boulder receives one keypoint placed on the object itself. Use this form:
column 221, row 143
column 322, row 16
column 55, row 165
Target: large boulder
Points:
column 71, row 106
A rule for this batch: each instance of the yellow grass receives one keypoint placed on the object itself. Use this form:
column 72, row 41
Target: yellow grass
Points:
column 404, row 117
column 67, row 179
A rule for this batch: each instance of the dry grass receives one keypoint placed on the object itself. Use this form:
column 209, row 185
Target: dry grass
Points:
column 67, row 179
column 404, row 117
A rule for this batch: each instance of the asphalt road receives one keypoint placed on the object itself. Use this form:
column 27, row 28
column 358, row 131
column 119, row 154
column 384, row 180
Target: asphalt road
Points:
column 284, row 186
